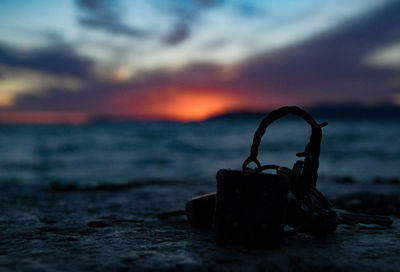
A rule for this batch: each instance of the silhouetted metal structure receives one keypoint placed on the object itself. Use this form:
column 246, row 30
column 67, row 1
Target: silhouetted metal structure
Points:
column 251, row 207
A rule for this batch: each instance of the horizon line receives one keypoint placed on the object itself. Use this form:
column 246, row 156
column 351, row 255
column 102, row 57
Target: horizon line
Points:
column 74, row 118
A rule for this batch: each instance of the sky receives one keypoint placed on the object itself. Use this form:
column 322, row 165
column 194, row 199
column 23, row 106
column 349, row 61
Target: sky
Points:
column 71, row 61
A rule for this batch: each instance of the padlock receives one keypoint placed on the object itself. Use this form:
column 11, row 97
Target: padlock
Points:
column 251, row 206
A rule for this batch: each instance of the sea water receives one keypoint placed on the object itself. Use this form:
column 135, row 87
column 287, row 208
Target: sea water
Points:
column 189, row 152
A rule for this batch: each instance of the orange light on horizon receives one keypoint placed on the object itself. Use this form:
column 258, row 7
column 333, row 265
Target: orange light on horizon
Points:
column 186, row 104
column 158, row 104
column 191, row 106
column 43, row 118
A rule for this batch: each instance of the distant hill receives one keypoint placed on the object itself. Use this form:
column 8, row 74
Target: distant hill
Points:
column 342, row 112
column 319, row 112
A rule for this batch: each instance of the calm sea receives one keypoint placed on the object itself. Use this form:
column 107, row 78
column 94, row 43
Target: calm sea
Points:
column 97, row 153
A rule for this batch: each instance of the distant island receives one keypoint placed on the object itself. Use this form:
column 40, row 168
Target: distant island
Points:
column 328, row 111
column 322, row 111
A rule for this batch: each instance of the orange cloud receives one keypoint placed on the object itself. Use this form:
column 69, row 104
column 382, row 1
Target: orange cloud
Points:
column 187, row 104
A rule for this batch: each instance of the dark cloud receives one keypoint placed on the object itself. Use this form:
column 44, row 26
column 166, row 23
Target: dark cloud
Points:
column 105, row 15
column 329, row 67
column 326, row 68
column 86, row 100
column 208, row 3
column 178, row 34
column 94, row 97
column 59, row 60
column 54, row 37
column 111, row 27
column 186, row 14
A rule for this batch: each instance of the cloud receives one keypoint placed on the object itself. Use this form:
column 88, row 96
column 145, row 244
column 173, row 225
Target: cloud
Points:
column 250, row 9
column 329, row 67
column 58, row 60
column 105, row 15
column 185, row 15
column 15, row 82
column 385, row 57
column 179, row 33
column 38, row 72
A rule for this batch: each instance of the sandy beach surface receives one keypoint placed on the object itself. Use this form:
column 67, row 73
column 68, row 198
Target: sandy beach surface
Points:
column 115, row 228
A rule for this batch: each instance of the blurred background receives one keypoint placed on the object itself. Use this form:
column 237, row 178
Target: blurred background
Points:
column 97, row 91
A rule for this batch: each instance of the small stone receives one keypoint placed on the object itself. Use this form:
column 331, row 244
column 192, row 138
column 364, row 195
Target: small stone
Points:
column 99, row 224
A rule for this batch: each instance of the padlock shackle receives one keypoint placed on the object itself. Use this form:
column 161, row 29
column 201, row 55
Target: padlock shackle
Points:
column 312, row 149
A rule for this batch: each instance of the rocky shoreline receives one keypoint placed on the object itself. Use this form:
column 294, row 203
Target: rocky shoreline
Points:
column 115, row 228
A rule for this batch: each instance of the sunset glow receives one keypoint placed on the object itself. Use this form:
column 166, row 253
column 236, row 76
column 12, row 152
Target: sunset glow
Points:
column 186, row 105
column 75, row 61
column 44, row 118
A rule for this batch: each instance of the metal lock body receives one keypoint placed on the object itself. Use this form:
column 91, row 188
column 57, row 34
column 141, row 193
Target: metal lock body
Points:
column 251, row 208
